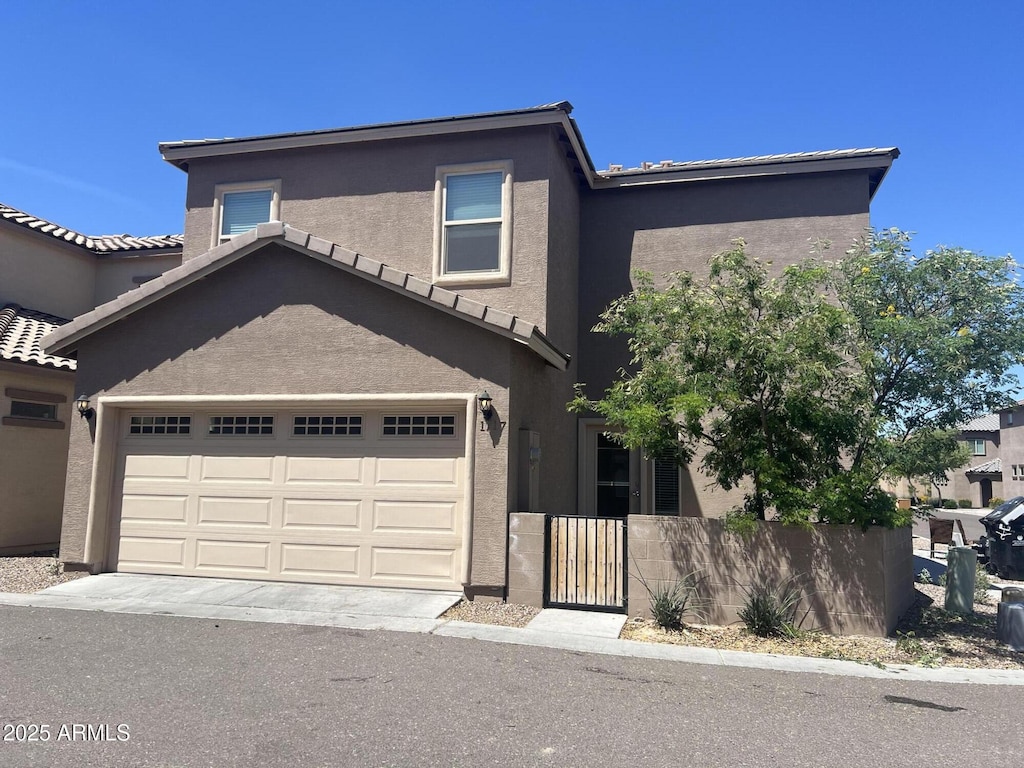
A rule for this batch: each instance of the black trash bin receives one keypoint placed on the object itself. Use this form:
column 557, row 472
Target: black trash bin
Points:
column 1004, row 538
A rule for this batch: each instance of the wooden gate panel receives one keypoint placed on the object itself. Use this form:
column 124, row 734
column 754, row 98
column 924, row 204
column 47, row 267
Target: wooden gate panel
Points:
column 586, row 562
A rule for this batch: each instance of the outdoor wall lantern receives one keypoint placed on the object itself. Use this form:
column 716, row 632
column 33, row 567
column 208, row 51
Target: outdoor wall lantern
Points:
column 485, row 401
column 83, row 407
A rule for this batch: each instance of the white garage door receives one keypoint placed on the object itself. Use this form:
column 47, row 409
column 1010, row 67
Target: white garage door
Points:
column 340, row 497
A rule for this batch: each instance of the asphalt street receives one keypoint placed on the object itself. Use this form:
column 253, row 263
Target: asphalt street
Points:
column 199, row 692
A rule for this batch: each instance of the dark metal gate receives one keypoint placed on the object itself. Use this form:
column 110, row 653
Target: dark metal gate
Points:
column 586, row 563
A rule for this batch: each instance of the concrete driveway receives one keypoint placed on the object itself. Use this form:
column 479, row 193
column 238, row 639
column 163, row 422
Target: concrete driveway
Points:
column 401, row 610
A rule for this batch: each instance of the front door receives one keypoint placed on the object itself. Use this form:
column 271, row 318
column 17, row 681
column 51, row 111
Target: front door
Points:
column 609, row 475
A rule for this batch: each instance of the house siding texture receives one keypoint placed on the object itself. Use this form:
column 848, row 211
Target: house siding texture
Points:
column 378, row 199
column 278, row 322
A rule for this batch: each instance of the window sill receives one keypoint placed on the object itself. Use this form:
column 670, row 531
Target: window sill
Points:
column 473, row 280
column 21, row 421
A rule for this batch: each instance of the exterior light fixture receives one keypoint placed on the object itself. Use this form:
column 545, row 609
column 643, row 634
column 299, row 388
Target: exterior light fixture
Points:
column 83, row 407
column 485, row 401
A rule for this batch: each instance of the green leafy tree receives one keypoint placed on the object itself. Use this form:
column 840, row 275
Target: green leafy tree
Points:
column 803, row 387
column 938, row 336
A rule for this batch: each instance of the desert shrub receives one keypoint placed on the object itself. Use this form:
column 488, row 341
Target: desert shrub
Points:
column 995, row 501
column 932, row 502
column 925, row 577
column 673, row 600
column 770, row 609
column 949, row 503
column 964, row 503
column 982, row 584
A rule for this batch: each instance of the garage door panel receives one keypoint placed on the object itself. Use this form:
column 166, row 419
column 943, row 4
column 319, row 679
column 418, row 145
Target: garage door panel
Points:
column 234, row 511
column 249, row 556
column 163, row 468
column 398, row 563
column 154, row 509
column 163, row 551
column 320, row 561
column 238, row 468
column 321, row 469
column 414, row 517
column 331, row 509
column 321, row 514
column 417, row 471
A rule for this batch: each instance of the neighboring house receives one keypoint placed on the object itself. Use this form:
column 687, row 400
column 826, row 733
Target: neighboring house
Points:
column 48, row 274
column 301, row 401
column 1011, row 430
column 981, row 478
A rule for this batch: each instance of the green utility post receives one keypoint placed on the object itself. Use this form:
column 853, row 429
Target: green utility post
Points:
column 961, row 570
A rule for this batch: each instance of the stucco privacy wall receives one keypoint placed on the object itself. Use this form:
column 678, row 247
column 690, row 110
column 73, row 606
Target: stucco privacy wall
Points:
column 854, row 582
column 30, row 502
column 377, row 199
column 31, row 264
column 277, row 322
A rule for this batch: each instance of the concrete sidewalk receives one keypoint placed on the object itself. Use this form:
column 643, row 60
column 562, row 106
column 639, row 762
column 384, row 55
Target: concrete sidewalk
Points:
column 418, row 611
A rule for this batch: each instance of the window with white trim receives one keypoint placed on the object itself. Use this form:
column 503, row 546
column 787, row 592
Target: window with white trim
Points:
column 160, row 425
column 977, row 446
column 419, row 426
column 473, row 231
column 241, row 425
column 327, row 426
column 240, row 207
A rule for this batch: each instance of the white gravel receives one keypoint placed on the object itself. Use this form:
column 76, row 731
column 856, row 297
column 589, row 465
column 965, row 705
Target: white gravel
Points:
column 31, row 573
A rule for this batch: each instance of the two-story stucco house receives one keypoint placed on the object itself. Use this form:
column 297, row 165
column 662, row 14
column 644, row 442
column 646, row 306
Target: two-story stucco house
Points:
column 301, row 399
column 49, row 273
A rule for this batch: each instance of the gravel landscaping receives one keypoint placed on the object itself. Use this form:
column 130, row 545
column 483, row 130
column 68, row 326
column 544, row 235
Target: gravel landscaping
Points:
column 31, row 573
column 927, row 636
column 480, row 612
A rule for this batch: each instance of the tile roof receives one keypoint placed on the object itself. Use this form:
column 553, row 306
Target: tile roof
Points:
column 987, row 423
column 94, row 243
column 789, row 157
column 503, row 323
column 989, row 467
column 21, row 331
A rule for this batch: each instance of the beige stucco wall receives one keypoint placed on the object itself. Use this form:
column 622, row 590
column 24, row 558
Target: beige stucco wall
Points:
column 40, row 272
column 117, row 274
column 278, row 322
column 377, row 199
column 32, row 462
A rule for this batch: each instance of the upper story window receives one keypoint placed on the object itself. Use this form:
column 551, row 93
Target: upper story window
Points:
column 240, row 207
column 473, row 228
column 977, row 446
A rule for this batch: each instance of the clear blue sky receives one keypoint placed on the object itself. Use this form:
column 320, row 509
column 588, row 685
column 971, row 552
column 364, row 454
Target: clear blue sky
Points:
column 92, row 87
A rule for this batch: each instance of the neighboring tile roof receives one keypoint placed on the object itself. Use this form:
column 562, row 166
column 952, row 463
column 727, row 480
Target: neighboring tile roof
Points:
column 995, row 466
column 94, row 243
column 790, row 157
column 987, row 423
column 20, row 333
column 450, row 302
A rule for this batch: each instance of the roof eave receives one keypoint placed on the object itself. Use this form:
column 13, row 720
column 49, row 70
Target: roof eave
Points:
column 878, row 161
column 179, row 153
